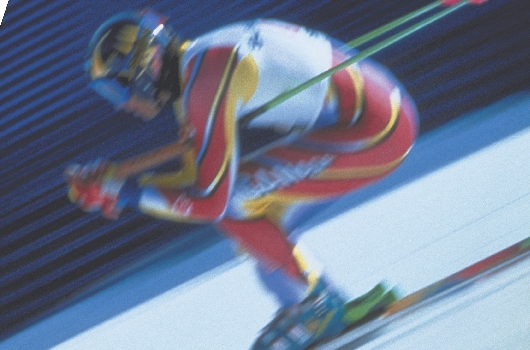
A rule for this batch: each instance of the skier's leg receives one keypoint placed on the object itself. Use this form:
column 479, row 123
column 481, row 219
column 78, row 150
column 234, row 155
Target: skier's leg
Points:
column 266, row 242
column 288, row 181
column 277, row 190
column 286, row 290
column 304, row 296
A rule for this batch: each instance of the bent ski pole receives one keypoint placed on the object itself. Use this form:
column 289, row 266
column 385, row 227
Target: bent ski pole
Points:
column 142, row 162
column 356, row 58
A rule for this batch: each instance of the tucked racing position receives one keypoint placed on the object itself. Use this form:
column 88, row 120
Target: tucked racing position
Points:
column 336, row 136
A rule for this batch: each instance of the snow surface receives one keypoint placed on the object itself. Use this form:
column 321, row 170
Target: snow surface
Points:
column 462, row 195
column 491, row 315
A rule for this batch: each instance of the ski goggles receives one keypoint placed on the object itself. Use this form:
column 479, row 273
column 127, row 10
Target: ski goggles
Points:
column 115, row 90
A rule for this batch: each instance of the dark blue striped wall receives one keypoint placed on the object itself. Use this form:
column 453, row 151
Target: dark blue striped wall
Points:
column 50, row 251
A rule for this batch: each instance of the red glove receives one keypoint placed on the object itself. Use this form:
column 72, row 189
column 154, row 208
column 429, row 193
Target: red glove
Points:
column 93, row 188
column 454, row 2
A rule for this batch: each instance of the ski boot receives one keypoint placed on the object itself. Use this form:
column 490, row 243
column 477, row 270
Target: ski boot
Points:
column 369, row 305
column 317, row 317
column 322, row 314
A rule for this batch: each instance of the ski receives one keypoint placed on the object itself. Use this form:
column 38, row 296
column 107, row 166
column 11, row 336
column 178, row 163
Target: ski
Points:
column 457, row 282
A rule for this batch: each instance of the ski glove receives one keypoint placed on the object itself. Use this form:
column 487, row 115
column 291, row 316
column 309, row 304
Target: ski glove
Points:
column 92, row 187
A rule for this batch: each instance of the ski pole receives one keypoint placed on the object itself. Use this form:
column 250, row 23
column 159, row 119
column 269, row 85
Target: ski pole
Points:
column 356, row 58
column 402, row 20
column 392, row 25
column 147, row 160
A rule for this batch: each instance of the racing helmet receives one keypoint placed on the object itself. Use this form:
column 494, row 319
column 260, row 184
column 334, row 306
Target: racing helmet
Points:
column 125, row 56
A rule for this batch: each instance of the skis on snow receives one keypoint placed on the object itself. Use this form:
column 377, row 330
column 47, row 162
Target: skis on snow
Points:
column 367, row 317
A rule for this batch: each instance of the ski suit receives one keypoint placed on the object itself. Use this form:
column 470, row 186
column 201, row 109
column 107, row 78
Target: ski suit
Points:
column 338, row 135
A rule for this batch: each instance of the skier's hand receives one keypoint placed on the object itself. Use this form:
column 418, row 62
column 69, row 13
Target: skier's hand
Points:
column 454, row 2
column 92, row 187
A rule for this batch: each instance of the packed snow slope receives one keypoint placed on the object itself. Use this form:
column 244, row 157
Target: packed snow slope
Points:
column 462, row 195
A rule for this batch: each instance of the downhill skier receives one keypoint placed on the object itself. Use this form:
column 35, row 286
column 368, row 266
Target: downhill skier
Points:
column 338, row 135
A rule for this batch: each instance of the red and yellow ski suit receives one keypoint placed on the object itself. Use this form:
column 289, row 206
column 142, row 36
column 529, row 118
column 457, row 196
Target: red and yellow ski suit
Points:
column 341, row 134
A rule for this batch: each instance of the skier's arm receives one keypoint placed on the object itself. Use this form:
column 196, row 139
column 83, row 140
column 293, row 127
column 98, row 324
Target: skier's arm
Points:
column 184, row 177
column 214, row 149
column 214, row 95
column 205, row 98
column 98, row 186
